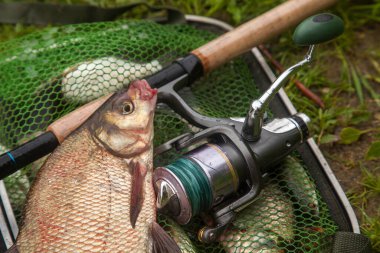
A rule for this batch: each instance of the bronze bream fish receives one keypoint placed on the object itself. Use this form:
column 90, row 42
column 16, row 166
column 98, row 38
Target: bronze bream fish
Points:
column 95, row 192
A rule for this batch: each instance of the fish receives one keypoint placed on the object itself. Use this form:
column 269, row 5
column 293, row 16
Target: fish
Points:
column 95, row 192
column 302, row 187
column 179, row 235
column 263, row 225
column 92, row 79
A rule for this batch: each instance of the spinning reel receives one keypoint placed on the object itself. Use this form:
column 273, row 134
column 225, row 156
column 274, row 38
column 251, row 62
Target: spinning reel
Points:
column 222, row 175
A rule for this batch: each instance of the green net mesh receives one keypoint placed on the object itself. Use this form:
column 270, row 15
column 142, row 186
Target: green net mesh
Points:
column 45, row 75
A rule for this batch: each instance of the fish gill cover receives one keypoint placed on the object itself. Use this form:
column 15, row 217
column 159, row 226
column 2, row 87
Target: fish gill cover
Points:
column 47, row 74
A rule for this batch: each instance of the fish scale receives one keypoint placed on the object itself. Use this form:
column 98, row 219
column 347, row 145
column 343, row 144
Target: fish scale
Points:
column 84, row 195
column 263, row 225
column 90, row 201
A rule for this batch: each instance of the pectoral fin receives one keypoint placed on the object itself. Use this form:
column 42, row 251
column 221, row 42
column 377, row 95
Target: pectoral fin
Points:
column 138, row 172
column 162, row 242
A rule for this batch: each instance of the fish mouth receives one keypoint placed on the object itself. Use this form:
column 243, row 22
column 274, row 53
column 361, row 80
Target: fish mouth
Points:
column 142, row 88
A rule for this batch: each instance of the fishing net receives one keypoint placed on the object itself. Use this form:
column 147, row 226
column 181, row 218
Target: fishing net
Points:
column 47, row 74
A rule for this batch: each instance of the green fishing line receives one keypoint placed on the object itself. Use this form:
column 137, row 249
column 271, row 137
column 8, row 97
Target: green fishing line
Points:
column 195, row 182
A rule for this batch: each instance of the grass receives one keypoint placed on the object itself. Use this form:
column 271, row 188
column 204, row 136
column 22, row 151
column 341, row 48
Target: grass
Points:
column 358, row 81
column 346, row 79
column 362, row 199
column 371, row 182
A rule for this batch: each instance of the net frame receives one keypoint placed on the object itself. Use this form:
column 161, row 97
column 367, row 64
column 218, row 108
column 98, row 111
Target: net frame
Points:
column 194, row 105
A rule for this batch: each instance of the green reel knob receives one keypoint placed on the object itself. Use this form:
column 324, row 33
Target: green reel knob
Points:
column 317, row 29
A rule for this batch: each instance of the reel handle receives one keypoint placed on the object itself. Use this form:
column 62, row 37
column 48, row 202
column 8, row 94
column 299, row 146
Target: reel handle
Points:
column 315, row 29
column 257, row 31
column 211, row 234
column 318, row 29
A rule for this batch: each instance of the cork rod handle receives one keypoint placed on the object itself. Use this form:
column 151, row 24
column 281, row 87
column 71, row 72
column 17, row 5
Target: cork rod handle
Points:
column 257, row 31
column 68, row 123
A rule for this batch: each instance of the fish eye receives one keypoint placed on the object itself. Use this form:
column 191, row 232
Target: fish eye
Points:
column 127, row 108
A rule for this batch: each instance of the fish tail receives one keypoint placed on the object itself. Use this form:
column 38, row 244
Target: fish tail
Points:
column 162, row 242
column 138, row 172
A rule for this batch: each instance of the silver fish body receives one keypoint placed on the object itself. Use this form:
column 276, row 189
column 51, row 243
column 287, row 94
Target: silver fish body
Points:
column 92, row 79
column 179, row 235
column 301, row 186
column 262, row 225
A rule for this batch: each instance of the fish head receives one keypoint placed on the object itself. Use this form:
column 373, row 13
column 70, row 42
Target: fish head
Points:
column 124, row 124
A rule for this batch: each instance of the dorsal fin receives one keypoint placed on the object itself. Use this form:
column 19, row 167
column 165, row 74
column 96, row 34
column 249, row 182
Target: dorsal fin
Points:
column 162, row 242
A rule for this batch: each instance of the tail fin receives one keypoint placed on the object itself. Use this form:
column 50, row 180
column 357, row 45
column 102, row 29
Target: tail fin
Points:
column 162, row 242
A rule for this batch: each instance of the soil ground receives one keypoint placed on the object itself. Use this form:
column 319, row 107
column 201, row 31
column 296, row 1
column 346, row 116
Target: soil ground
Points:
column 348, row 161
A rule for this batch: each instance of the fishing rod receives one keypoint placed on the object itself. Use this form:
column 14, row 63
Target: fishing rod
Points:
column 198, row 63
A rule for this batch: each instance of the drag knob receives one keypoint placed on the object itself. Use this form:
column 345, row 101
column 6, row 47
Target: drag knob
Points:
column 317, row 29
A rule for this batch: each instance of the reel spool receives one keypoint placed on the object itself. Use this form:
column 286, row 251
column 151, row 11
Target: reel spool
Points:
column 203, row 178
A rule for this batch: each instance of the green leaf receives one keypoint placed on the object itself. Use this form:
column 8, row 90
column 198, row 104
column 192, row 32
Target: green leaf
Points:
column 328, row 138
column 349, row 135
column 373, row 152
